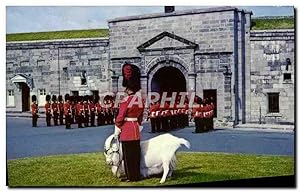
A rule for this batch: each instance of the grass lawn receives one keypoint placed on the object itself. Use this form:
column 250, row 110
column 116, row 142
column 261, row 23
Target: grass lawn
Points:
column 89, row 169
column 70, row 34
column 280, row 23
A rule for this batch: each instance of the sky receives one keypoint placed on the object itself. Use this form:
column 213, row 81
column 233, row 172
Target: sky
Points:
column 56, row 18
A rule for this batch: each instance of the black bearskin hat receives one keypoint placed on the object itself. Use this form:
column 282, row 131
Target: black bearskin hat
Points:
column 131, row 77
column 60, row 98
column 48, row 97
column 53, row 97
column 33, row 98
column 67, row 97
column 91, row 98
column 86, row 98
column 96, row 98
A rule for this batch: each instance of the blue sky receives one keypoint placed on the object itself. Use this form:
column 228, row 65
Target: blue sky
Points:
column 52, row 18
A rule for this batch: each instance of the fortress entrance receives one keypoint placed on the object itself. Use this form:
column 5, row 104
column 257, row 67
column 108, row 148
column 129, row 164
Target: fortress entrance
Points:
column 168, row 79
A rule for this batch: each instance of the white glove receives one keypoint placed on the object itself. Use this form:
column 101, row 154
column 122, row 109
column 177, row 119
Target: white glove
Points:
column 117, row 132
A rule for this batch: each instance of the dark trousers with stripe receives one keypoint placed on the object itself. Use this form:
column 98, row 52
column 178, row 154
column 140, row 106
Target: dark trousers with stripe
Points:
column 132, row 156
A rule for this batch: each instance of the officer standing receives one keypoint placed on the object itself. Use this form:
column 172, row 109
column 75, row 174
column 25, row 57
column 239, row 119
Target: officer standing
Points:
column 86, row 111
column 92, row 110
column 61, row 110
column 67, row 111
column 48, row 110
column 34, row 111
column 152, row 117
column 129, row 119
column 80, row 112
column 98, row 110
column 54, row 107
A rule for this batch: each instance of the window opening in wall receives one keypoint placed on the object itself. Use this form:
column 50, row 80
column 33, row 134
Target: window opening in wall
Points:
column 287, row 76
column 75, row 93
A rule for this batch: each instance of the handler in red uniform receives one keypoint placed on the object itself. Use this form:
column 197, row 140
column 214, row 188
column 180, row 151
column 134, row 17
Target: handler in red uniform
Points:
column 128, row 121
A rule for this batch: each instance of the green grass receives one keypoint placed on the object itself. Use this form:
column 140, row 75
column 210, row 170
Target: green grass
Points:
column 57, row 35
column 276, row 23
column 90, row 169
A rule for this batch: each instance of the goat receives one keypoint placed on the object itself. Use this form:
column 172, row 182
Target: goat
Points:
column 157, row 155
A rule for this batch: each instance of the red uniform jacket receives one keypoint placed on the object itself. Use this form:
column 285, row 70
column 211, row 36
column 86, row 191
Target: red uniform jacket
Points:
column 79, row 109
column 153, row 109
column 129, row 129
column 92, row 107
column 61, row 107
column 48, row 108
column 54, row 107
column 67, row 108
column 34, row 108
column 98, row 107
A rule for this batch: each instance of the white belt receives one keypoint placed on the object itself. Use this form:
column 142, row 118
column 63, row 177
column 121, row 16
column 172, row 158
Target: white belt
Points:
column 130, row 119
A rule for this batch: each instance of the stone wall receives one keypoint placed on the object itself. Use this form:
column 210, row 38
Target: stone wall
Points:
column 57, row 66
column 269, row 51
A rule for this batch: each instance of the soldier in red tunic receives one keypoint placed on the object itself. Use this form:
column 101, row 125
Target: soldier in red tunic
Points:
column 153, row 118
column 80, row 112
column 92, row 110
column 67, row 111
column 54, row 107
column 48, row 110
column 34, row 111
column 98, row 110
column 128, row 121
column 61, row 110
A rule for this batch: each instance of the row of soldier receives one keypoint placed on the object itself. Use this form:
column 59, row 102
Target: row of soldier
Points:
column 203, row 114
column 82, row 110
column 165, row 117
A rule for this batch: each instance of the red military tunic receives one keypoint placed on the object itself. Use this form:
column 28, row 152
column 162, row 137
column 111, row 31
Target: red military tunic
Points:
column 129, row 129
column 48, row 108
column 67, row 108
column 54, row 107
column 79, row 109
column 34, row 109
column 61, row 106
column 98, row 107
column 92, row 107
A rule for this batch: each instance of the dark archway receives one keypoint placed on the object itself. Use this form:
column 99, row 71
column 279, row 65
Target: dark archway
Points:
column 168, row 79
column 25, row 97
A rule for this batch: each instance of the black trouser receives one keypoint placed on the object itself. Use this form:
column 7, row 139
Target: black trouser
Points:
column 79, row 120
column 132, row 156
column 86, row 119
column 48, row 119
column 153, row 125
column 206, row 124
column 93, row 119
column 199, row 125
column 68, row 121
column 165, row 123
column 55, row 118
column 73, row 119
column 211, row 124
column 61, row 117
column 158, row 124
column 99, row 119
column 34, row 120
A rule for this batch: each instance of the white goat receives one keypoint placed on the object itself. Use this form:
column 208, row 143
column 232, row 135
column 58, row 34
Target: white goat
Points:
column 157, row 155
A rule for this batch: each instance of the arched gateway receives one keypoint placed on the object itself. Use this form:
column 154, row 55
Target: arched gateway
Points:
column 167, row 76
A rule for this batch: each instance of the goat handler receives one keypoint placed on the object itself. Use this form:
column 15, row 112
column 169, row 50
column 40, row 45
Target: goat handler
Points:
column 128, row 121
